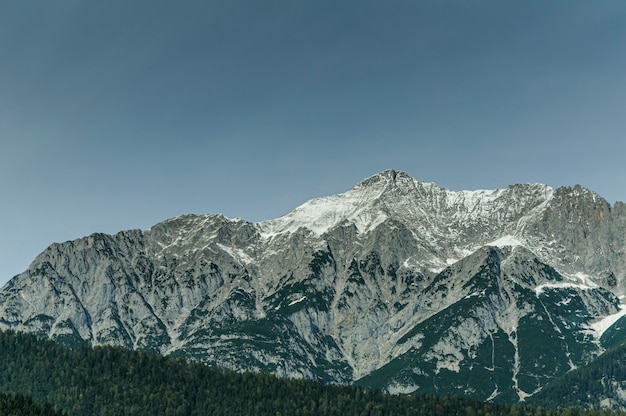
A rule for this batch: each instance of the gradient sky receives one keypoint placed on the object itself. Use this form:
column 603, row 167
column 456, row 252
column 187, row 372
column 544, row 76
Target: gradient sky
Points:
column 120, row 114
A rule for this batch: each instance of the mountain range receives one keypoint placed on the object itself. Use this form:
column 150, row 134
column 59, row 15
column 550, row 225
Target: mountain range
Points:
column 395, row 284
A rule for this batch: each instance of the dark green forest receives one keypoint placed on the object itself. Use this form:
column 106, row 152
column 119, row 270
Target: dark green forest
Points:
column 588, row 385
column 115, row 381
column 18, row 405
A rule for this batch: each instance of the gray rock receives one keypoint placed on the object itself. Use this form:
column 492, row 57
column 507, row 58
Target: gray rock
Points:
column 397, row 283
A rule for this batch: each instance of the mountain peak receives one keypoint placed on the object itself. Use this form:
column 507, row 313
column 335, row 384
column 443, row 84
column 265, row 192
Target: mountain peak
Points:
column 389, row 177
column 396, row 194
column 358, row 205
column 322, row 214
column 389, row 283
column 580, row 193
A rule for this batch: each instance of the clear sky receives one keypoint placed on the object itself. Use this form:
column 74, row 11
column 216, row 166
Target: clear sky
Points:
column 119, row 114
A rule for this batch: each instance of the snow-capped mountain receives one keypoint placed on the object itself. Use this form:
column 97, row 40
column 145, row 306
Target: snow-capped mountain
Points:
column 396, row 283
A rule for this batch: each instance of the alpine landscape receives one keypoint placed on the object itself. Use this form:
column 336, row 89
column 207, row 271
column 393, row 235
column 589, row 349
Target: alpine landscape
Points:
column 397, row 284
column 312, row 208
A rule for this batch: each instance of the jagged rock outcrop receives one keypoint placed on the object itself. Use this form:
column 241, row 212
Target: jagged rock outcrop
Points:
column 396, row 283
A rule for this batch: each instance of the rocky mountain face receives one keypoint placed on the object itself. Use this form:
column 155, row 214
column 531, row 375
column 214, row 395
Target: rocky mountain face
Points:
column 397, row 283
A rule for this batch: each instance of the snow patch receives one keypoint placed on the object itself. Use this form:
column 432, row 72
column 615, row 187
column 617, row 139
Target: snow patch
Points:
column 562, row 285
column 322, row 214
column 237, row 253
column 586, row 283
column 297, row 301
column 564, row 302
column 580, row 281
column 585, row 279
column 598, row 328
column 506, row 241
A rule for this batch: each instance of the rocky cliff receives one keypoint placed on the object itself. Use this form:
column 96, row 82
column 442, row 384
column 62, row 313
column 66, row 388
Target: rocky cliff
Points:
column 396, row 283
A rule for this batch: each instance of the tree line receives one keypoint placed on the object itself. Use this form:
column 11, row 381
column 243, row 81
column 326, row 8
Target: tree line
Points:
column 587, row 386
column 114, row 381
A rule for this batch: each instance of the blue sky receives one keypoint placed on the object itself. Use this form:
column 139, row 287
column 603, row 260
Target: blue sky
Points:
column 118, row 115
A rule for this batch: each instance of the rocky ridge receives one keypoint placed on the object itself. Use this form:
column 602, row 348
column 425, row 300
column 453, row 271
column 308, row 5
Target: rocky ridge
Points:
column 396, row 283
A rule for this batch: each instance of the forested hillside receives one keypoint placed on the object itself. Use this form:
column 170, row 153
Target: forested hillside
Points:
column 601, row 383
column 19, row 405
column 115, row 381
